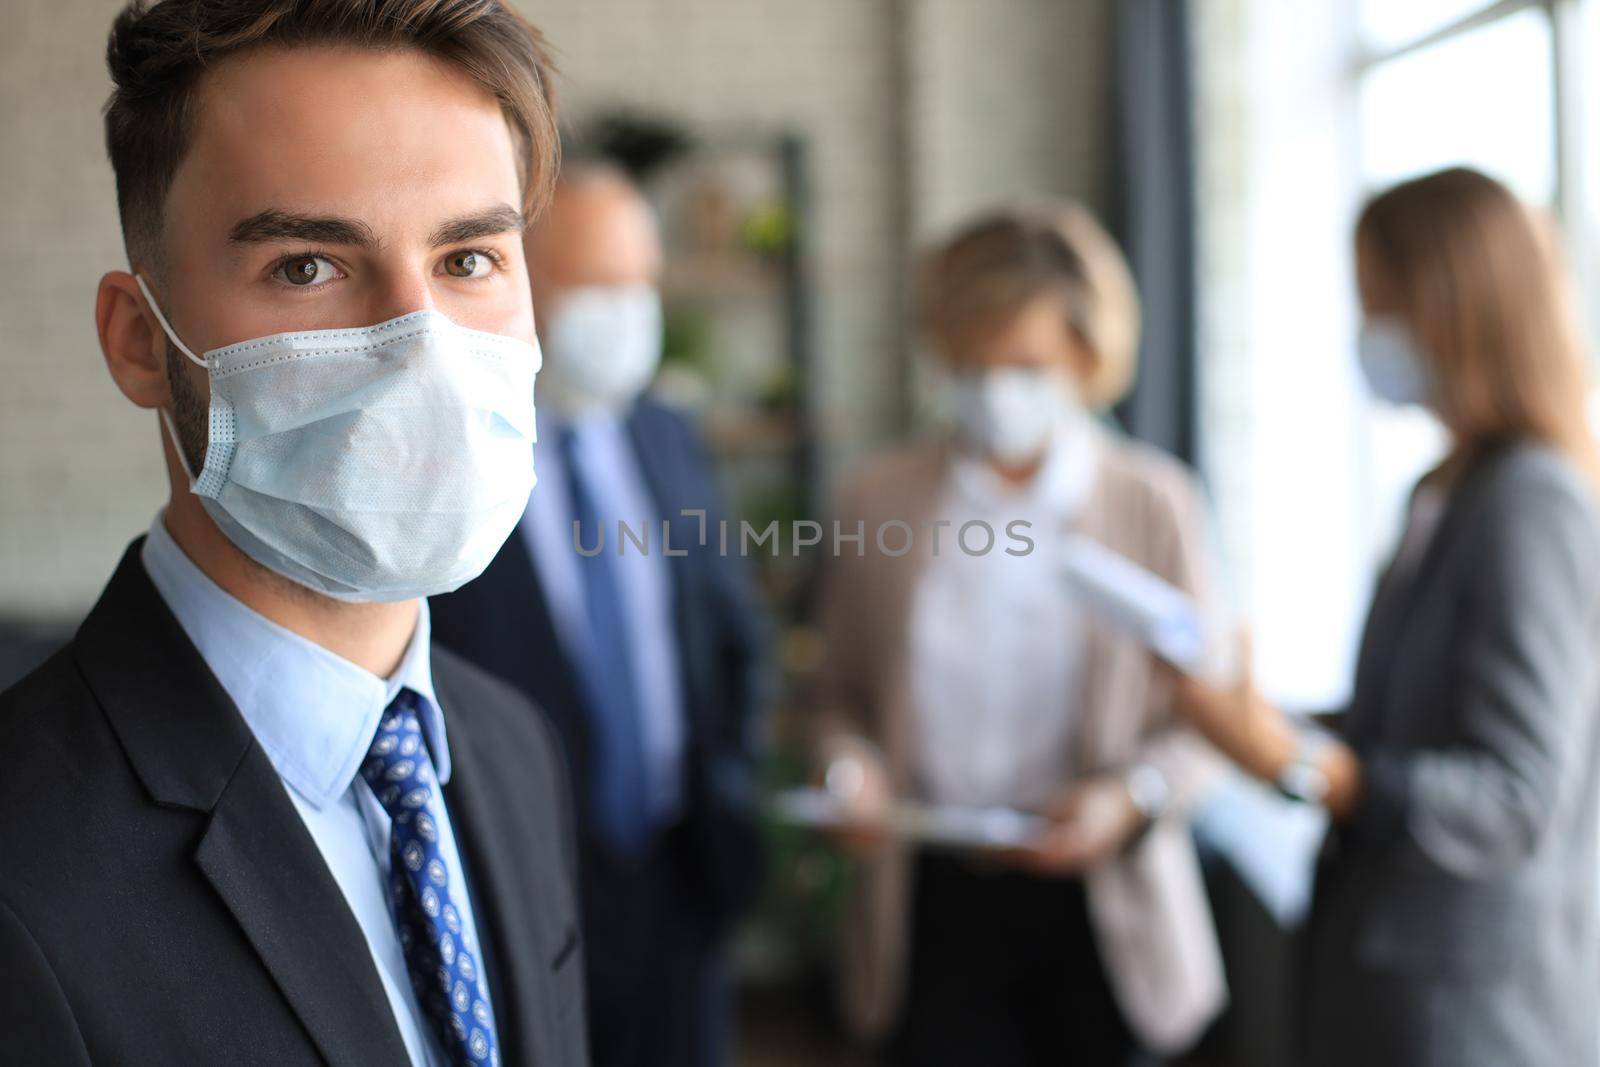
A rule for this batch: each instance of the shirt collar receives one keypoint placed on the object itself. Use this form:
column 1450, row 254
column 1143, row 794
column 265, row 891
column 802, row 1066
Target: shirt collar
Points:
column 313, row 712
column 549, row 424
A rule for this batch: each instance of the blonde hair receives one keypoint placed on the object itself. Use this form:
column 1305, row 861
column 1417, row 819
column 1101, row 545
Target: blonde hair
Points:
column 998, row 264
column 1481, row 284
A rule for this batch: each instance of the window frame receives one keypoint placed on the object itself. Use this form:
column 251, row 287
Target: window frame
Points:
column 1574, row 140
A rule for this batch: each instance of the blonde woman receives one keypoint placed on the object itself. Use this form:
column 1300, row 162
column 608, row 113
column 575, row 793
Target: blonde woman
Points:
column 961, row 670
column 1454, row 916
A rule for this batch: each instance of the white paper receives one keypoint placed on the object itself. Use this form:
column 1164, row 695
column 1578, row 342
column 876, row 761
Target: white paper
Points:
column 1130, row 598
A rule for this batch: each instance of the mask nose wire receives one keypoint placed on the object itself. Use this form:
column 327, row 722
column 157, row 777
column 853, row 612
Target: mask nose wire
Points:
column 165, row 325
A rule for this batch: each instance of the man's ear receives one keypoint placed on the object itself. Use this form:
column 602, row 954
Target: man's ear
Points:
column 131, row 341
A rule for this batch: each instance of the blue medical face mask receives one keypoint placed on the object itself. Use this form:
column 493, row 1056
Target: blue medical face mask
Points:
column 1011, row 413
column 378, row 463
column 602, row 345
column 1394, row 367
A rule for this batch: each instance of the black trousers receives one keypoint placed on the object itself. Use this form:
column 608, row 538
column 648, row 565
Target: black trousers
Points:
column 1005, row 973
column 657, row 993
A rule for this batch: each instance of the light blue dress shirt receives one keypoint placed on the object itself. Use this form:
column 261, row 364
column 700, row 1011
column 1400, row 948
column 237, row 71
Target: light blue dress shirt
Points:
column 644, row 582
column 315, row 714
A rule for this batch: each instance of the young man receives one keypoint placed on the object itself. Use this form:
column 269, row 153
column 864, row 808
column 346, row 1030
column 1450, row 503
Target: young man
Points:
column 235, row 828
column 651, row 662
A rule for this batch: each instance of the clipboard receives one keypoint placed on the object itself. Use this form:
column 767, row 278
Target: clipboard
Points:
column 936, row 825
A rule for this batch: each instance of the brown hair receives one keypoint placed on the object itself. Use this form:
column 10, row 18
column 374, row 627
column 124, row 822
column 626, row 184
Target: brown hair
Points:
column 997, row 265
column 1480, row 282
column 158, row 52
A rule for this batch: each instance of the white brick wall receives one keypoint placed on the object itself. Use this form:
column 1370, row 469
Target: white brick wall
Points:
column 79, row 466
column 1008, row 98
column 1005, row 98
column 1000, row 96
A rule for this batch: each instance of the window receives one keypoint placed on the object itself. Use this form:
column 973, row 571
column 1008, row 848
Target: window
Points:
column 1485, row 97
column 1301, row 115
column 1394, row 23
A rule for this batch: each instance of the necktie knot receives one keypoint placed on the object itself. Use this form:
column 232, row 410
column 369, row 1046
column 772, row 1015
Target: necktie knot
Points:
column 567, row 444
column 398, row 767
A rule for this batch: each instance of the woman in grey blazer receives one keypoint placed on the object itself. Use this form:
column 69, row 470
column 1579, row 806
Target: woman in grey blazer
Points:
column 1454, row 914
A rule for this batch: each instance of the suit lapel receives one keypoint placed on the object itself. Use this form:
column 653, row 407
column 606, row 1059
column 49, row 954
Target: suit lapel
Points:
column 507, row 891
column 685, row 534
column 1397, row 596
column 191, row 748
column 1378, row 637
column 258, row 856
column 1099, row 666
column 514, row 580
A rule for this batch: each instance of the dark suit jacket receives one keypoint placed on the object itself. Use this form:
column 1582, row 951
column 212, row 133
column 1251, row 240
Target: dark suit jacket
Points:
column 502, row 622
column 1454, row 918
column 162, row 902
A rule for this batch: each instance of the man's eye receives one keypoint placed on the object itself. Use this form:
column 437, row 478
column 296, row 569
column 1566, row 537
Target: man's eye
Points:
column 468, row 264
column 306, row 270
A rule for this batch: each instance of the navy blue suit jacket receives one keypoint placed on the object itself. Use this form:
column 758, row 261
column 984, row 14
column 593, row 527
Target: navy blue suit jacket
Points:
column 502, row 622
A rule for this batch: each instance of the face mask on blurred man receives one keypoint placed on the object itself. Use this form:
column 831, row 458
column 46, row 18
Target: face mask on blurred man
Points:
column 1391, row 362
column 1010, row 414
column 602, row 345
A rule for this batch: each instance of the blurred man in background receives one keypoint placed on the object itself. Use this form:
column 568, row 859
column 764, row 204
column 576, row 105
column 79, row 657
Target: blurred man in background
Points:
column 650, row 659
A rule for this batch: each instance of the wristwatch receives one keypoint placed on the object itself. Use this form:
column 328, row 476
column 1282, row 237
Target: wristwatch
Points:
column 1148, row 788
column 1302, row 778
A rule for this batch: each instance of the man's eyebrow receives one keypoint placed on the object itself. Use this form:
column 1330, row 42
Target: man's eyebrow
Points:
column 502, row 218
column 275, row 225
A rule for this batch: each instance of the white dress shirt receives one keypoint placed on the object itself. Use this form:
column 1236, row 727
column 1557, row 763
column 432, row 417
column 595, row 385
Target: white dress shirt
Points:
column 996, row 638
column 644, row 583
column 315, row 714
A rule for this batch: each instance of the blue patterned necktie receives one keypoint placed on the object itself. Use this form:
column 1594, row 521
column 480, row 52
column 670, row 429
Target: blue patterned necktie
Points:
column 620, row 792
column 448, row 981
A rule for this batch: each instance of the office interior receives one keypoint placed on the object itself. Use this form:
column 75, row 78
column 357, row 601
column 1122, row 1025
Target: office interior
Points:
column 801, row 156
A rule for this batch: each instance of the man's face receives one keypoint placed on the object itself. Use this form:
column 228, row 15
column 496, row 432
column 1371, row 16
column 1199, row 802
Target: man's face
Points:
column 335, row 187
column 599, row 232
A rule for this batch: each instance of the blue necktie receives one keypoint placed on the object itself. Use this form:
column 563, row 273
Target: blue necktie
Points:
column 448, row 981
column 619, row 796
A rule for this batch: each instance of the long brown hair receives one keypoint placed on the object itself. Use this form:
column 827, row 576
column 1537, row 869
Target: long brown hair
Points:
column 1481, row 284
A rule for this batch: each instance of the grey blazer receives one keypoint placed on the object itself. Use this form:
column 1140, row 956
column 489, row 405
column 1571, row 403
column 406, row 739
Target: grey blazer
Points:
column 1454, row 917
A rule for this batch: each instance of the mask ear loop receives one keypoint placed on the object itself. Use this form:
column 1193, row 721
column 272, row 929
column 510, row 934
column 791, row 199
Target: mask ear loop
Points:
column 177, row 446
column 155, row 309
column 166, row 416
